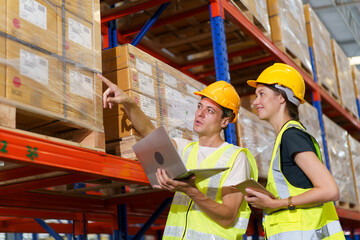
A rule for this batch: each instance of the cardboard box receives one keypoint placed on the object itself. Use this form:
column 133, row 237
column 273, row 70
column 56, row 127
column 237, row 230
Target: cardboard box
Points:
column 120, row 126
column 2, row 67
column 354, row 146
column 149, row 106
column 123, row 148
column 340, row 162
column 83, row 9
column 344, row 79
column 82, row 96
column 131, row 79
column 97, row 36
column 320, row 41
column 79, row 35
column 177, row 108
column 356, row 79
column 287, row 24
column 128, row 56
column 2, row 15
column 37, row 80
column 25, row 18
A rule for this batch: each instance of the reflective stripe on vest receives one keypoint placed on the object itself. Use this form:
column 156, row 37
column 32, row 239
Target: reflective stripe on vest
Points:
column 306, row 223
column 172, row 231
column 324, row 232
column 279, row 178
column 182, row 203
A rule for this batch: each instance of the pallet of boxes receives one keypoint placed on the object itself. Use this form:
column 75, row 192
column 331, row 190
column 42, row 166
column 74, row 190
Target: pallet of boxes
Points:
column 163, row 93
column 50, row 51
column 288, row 31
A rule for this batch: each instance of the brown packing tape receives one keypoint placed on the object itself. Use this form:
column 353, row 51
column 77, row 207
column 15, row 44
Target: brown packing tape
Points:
column 41, row 18
column 38, row 84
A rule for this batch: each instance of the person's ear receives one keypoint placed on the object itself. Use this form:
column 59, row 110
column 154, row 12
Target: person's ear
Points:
column 225, row 122
column 282, row 99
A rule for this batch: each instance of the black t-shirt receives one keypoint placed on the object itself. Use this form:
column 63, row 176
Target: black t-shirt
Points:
column 294, row 141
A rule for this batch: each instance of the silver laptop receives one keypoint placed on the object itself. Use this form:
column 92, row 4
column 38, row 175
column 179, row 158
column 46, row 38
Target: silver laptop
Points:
column 157, row 150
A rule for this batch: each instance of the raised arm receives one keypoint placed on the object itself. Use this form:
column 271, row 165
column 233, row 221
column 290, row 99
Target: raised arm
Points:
column 114, row 95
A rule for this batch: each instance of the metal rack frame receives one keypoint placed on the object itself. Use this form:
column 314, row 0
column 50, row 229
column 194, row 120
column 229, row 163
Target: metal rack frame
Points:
column 40, row 155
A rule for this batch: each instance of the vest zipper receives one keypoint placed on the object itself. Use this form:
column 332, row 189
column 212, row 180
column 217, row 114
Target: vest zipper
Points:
column 186, row 219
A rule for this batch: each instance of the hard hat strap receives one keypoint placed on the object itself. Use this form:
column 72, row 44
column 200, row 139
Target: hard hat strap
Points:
column 289, row 93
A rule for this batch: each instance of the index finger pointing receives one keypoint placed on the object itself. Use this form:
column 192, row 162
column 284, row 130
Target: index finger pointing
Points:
column 104, row 79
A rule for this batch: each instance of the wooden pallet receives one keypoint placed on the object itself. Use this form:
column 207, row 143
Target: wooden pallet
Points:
column 330, row 92
column 123, row 148
column 252, row 18
column 295, row 59
column 49, row 125
column 347, row 205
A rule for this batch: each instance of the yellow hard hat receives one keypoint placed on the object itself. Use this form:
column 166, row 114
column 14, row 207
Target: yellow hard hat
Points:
column 285, row 76
column 223, row 94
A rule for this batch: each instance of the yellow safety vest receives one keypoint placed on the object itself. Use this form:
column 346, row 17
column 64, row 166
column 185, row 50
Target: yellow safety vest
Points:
column 186, row 220
column 313, row 223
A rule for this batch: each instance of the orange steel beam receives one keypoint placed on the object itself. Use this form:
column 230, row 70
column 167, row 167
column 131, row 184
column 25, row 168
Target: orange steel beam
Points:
column 233, row 13
column 131, row 10
column 48, row 202
column 43, row 183
column 31, row 150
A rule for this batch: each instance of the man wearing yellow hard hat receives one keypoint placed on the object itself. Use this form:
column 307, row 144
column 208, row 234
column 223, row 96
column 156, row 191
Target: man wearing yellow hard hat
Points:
column 212, row 208
column 304, row 189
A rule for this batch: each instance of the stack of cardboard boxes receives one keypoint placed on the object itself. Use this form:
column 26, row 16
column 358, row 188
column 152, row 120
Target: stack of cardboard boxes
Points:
column 52, row 53
column 163, row 93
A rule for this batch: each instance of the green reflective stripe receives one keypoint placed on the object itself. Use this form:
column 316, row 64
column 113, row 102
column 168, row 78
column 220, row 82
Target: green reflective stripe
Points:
column 181, row 199
column 196, row 235
column 187, row 152
column 173, row 231
column 241, row 223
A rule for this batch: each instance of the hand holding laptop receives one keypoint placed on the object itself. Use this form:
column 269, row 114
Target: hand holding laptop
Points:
column 157, row 151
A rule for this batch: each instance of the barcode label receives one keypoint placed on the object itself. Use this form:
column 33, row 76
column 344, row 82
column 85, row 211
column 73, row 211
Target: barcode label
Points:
column 41, row 8
column 88, row 80
column 86, row 30
column 42, row 62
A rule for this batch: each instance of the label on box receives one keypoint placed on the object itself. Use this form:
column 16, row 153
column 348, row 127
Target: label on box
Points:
column 146, row 84
column 143, row 66
column 190, row 89
column 175, row 133
column 79, row 33
column 170, row 80
column 33, row 12
column 34, row 67
column 148, row 106
column 81, row 84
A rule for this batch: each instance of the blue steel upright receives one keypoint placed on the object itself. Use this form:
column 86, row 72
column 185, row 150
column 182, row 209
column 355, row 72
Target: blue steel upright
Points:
column 317, row 104
column 221, row 60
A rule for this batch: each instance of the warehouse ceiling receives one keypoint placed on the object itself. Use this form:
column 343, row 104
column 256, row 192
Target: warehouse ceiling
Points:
column 342, row 19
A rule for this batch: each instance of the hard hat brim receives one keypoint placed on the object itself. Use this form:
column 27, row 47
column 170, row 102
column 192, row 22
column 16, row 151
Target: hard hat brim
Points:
column 252, row 83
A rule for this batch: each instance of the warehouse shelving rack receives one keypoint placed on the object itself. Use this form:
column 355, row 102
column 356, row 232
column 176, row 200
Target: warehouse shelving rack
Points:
column 61, row 163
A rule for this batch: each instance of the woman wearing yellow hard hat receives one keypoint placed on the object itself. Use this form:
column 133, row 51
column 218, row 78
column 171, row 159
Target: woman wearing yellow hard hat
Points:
column 303, row 187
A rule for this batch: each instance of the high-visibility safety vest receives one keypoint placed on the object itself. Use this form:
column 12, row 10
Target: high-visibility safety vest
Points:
column 186, row 220
column 313, row 223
